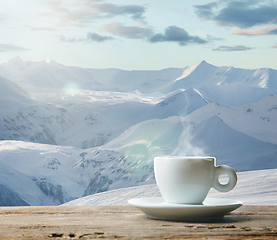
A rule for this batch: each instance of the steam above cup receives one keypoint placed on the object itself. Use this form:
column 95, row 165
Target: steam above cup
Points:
column 187, row 180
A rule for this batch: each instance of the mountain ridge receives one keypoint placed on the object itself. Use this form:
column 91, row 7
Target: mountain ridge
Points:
column 148, row 81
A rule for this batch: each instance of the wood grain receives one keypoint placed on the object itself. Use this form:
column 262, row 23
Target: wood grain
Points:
column 126, row 222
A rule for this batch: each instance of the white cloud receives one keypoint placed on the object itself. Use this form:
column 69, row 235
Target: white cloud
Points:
column 232, row 48
column 11, row 48
column 133, row 32
column 82, row 12
column 242, row 14
column 259, row 31
column 91, row 37
column 176, row 34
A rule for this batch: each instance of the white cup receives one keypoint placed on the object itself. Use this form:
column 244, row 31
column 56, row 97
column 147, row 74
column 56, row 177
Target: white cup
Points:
column 187, row 180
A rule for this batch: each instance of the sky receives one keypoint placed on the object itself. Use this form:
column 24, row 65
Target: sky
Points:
column 140, row 34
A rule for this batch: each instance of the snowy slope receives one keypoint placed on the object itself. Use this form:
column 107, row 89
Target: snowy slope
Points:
column 17, row 188
column 12, row 97
column 253, row 188
column 204, row 74
column 23, row 117
column 40, row 171
column 99, row 117
column 85, row 119
column 234, row 94
column 257, row 120
column 233, row 148
column 180, row 102
column 36, row 122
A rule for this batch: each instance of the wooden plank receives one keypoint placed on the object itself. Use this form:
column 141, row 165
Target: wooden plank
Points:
column 126, row 222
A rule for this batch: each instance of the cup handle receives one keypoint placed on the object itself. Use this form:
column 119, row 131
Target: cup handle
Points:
column 223, row 169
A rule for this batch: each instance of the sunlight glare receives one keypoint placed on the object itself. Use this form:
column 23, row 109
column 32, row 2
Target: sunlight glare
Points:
column 72, row 88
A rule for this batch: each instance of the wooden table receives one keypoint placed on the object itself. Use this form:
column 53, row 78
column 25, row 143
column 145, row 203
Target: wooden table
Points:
column 126, row 222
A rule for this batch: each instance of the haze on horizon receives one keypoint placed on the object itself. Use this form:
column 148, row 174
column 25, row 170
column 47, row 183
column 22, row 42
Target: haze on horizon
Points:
column 142, row 34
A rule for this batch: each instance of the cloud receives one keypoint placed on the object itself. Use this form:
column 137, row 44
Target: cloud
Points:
column 171, row 34
column 241, row 14
column 11, row 48
column 132, row 32
column 81, row 12
column 97, row 38
column 176, row 34
column 111, row 10
column 232, row 48
column 71, row 40
column 43, row 29
column 211, row 38
column 205, row 11
column 273, row 32
column 91, row 37
column 266, row 30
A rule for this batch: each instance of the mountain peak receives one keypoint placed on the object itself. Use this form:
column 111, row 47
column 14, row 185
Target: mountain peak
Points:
column 202, row 63
column 192, row 68
column 13, row 63
column 16, row 60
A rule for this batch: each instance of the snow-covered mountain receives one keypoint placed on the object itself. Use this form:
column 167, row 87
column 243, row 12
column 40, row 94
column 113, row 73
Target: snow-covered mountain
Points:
column 47, row 75
column 87, row 119
column 69, row 132
column 204, row 74
column 52, row 75
column 41, row 174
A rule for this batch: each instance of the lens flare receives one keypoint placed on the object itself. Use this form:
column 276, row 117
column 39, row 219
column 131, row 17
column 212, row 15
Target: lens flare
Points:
column 47, row 60
column 72, row 88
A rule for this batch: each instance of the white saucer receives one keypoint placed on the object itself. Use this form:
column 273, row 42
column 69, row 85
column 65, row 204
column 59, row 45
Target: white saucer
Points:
column 212, row 208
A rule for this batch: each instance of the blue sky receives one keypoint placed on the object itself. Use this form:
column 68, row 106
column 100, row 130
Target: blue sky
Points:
column 140, row 34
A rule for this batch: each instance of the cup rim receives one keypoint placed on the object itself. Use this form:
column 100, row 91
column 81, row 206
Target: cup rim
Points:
column 186, row 157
